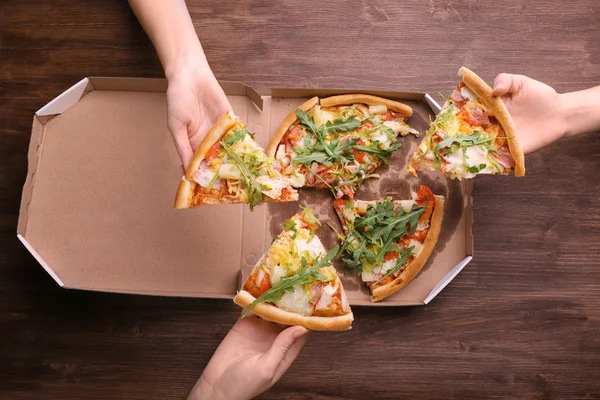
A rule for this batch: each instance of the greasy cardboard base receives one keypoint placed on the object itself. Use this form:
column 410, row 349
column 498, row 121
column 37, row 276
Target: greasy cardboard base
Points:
column 97, row 208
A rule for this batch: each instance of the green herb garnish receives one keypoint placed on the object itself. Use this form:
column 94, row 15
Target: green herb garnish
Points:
column 236, row 136
column 253, row 187
column 402, row 259
column 376, row 233
column 307, row 274
column 289, row 224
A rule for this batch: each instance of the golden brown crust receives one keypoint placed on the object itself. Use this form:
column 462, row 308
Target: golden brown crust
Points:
column 497, row 106
column 274, row 314
column 285, row 125
column 185, row 192
column 220, row 128
column 413, row 268
column 346, row 99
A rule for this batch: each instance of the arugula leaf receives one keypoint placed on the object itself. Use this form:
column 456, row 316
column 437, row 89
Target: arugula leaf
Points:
column 289, row 224
column 306, row 120
column 442, row 118
column 212, row 182
column 476, row 168
column 461, row 140
column 254, row 188
column 342, row 125
column 376, row 233
column 383, row 154
column 402, row 259
column 306, row 275
column 236, row 136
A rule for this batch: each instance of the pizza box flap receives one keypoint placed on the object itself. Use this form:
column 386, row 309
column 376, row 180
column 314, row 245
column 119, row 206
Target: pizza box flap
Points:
column 97, row 206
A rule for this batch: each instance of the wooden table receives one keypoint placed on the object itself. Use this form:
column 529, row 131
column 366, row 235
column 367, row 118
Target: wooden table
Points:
column 521, row 321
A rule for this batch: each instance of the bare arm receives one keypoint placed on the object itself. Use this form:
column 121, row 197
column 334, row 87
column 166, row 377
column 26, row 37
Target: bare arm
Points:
column 582, row 111
column 194, row 98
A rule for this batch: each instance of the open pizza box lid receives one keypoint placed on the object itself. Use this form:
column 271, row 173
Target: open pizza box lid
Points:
column 97, row 207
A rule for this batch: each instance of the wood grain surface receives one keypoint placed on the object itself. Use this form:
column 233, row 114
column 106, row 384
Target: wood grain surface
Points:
column 521, row 321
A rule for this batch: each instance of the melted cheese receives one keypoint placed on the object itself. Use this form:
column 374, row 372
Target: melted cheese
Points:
column 406, row 204
column 296, row 302
column 276, row 274
column 466, row 93
column 418, row 247
column 272, row 187
column 381, row 138
column 309, row 250
column 297, row 179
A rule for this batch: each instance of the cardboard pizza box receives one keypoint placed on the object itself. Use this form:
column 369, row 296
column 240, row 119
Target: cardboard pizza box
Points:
column 97, row 206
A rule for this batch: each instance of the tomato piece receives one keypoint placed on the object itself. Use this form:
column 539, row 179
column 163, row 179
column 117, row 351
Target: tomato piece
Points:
column 265, row 284
column 359, row 156
column 348, row 191
column 339, row 204
column 294, row 135
column 425, row 198
column 369, row 124
column 390, row 255
column 389, row 115
column 213, row 152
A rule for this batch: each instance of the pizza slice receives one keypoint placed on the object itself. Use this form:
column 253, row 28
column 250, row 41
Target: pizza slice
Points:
column 230, row 167
column 339, row 141
column 388, row 241
column 473, row 134
column 295, row 283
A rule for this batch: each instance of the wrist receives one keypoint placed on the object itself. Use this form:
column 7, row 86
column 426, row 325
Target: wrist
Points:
column 204, row 390
column 565, row 114
column 190, row 63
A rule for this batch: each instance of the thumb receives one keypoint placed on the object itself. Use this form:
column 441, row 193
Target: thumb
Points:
column 507, row 84
column 283, row 351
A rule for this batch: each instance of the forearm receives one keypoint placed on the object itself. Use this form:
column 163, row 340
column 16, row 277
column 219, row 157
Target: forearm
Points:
column 169, row 26
column 581, row 111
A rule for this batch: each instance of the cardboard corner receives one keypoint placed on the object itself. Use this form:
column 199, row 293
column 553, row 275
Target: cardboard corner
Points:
column 447, row 279
column 40, row 260
column 240, row 89
column 66, row 99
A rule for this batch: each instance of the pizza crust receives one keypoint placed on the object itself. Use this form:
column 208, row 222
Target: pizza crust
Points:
column 346, row 99
column 413, row 268
column 285, row 125
column 274, row 314
column 485, row 93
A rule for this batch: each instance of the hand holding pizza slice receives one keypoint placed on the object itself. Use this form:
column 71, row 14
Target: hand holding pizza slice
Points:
column 473, row 134
column 295, row 283
column 339, row 141
column 387, row 242
column 230, row 167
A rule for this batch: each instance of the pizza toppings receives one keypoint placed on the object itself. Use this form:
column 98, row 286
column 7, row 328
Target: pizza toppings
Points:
column 296, row 274
column 339, row 147
column 237, row 168
column 375, row 232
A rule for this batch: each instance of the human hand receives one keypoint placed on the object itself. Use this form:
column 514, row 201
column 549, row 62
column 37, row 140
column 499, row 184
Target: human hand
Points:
column 536, row 109
column 252, row 357
column 195, row 101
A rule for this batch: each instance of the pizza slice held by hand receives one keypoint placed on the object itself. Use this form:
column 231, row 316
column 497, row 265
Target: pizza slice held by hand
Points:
column 473, row 134
column 230, row 167
column 339, row 141
column 295, row 283
column 387, row 242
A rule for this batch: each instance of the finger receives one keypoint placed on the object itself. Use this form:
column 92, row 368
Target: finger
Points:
column 507, row 84
column 290, row 356
column 182, row 144
column 281, row 346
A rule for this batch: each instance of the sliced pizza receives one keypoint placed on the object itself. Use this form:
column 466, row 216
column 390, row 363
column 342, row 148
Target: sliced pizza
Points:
column 387, row 242
column 339, row 141
column 230, row 167
column 473, row 134
column 295, row 283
